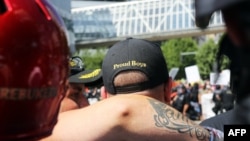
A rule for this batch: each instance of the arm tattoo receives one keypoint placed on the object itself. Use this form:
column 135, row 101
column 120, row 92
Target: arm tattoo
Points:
column 167, row 117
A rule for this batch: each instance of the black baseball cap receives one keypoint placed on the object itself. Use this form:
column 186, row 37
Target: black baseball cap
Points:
column 134, row 54
column 78, row 74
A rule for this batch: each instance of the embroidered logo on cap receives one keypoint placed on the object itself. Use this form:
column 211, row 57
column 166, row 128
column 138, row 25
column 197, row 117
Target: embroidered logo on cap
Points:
column 132, row 63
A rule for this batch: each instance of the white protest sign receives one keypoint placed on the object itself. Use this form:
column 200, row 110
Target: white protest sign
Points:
column 223, row 78
column 192, row 74
column 173, row 72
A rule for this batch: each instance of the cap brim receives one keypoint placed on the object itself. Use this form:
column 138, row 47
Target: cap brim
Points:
column 87, row 77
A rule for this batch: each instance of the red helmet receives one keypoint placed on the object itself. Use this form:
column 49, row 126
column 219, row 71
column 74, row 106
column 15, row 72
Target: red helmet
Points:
column 33, row 68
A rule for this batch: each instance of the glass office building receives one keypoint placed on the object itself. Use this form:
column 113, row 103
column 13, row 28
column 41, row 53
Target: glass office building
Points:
column 63, row 7
column 93, row 24
column 136, row 18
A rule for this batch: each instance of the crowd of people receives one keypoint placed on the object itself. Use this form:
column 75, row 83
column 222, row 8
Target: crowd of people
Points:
column 223, row 99
column 187, row 98
column 188, row 101
column 45, row 103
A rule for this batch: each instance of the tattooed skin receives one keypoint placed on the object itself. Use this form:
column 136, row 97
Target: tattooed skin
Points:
column 167, row 117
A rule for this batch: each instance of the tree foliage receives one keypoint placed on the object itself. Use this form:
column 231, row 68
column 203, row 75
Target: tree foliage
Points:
column 92, row 58
column 174, row 52
column 206, row 57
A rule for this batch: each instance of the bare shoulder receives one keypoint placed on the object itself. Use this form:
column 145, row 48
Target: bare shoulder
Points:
column 154, row 120
column 103, row 120
column 126, row 117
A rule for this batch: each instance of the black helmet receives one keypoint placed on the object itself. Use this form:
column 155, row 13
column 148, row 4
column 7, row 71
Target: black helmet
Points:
column 235, row 44
column 205, row 8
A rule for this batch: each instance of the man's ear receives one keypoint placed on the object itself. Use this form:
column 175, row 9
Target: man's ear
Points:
column 104, row 93
column 168, row 90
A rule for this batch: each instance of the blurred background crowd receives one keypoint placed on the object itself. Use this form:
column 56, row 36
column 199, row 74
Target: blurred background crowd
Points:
column 198, row 101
